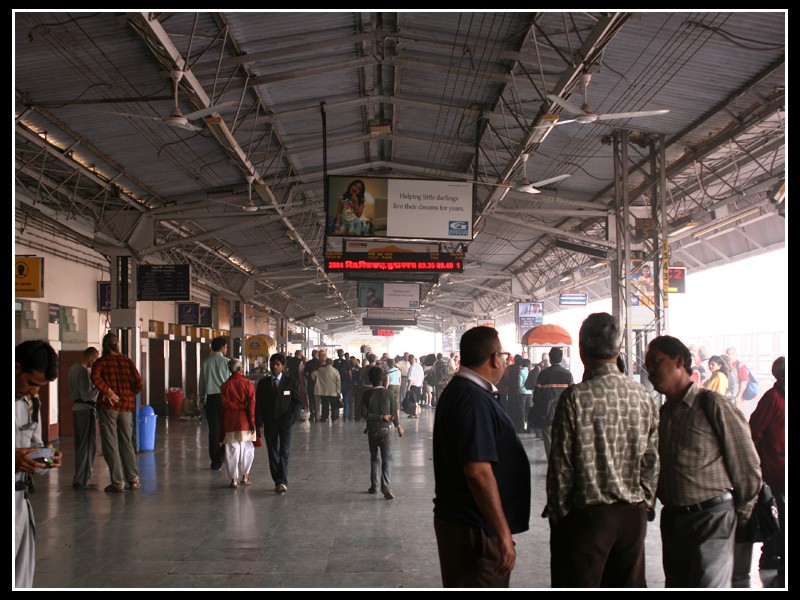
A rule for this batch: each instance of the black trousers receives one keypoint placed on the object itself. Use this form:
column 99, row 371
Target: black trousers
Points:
column 216, row 451
column 279, row 442
column 84, row 426
column 416, row 393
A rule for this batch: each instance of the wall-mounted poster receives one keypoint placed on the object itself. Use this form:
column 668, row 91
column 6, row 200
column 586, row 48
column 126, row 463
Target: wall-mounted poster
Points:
column 29, row 277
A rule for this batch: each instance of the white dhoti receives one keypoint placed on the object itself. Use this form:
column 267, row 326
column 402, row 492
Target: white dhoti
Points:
column 239, row 458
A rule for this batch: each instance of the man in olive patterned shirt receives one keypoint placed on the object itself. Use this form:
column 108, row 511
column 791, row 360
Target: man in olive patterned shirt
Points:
column 603, row 469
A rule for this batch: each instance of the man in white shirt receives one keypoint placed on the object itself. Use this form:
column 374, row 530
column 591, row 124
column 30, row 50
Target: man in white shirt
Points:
column 401, row 362
column 415, row 378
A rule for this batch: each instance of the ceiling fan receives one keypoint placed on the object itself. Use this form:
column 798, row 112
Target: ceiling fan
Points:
column 585, row 114
column 251, row 206
column 176, row 118
column 523, row 185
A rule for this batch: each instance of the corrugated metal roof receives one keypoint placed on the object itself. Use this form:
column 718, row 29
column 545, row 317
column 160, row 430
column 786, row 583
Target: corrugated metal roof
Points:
column 436, row 85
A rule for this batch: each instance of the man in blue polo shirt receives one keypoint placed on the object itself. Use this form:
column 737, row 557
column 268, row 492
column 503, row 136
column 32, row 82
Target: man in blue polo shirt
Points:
column 481, row 470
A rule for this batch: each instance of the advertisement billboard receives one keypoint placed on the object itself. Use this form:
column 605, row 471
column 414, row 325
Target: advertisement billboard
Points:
column 398, row 208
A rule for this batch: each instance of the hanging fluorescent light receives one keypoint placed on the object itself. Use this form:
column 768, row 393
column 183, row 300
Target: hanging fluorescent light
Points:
column 716, row 225
column 683, row 228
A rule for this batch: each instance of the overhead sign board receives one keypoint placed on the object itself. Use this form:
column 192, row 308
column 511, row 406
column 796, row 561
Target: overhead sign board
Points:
column 573, row 299
column 388, row 295
column 390, row 258
column 163, row 283
column 398, row 276
column 677, row 280
column 388, row 318
column 399, row 208
column 529, row 315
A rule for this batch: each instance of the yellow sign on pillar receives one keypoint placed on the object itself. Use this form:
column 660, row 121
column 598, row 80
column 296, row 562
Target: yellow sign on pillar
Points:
column 29, row 276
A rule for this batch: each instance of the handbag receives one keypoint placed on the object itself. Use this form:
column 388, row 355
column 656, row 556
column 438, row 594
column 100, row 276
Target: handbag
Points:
column 764, row 521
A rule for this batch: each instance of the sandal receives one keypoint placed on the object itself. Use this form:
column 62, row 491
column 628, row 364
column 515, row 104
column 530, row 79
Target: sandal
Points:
column 234, row 485
column 246, row 480
column 134, row 485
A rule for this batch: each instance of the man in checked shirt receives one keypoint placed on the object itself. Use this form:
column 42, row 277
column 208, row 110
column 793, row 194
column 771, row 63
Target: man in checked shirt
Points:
column 710, row 474
column 118, row 381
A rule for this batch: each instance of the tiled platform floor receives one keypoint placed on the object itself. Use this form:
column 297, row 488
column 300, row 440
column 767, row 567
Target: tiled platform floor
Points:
column 186, row 528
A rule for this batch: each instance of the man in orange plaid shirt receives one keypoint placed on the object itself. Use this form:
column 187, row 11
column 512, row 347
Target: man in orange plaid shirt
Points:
column 116, row 377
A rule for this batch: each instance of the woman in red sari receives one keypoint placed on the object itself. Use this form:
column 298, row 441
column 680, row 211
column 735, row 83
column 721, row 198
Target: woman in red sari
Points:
column 238, row 428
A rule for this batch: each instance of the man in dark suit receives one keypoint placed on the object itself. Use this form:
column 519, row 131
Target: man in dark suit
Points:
column 277, row 408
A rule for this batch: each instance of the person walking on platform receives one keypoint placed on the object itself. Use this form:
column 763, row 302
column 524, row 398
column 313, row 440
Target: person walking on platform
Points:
column 84, row 418
column 416, row 377
column 294, row 368
column 213, row 375
column 369, row 362
column 481, row 471
column 381, row 410
column 401, row 362
column 342, row 364
column 327, row 388
column 118, row 381
column 602, row 471
column 312, row 365
column 392, row 375
column 549, row 386
column 718, row 381
column 277, row 410
column 238, row 424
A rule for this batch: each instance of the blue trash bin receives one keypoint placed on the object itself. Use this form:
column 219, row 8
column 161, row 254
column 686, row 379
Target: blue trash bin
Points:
column 147, row 429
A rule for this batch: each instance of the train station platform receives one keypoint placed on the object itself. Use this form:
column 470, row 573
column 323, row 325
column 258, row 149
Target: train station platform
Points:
column 186, row 528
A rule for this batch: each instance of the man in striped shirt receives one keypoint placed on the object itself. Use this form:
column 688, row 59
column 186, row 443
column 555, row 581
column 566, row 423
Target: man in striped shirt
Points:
column 710, row 474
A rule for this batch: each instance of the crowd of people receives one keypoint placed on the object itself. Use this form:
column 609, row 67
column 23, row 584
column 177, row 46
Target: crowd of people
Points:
column 725, row 374
column 612, row 452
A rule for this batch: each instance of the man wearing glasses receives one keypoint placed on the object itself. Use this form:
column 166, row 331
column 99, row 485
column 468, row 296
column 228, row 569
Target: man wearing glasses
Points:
column 481, row 471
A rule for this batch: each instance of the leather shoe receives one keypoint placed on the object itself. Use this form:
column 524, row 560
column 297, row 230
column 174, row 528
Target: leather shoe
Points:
column 387, row 493
column 280, row 488
column 372, row 490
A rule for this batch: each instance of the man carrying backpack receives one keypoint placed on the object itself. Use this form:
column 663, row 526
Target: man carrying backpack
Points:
column 741, row 380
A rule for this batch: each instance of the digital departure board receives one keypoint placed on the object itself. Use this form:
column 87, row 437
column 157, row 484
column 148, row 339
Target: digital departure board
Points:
column 163, row 283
